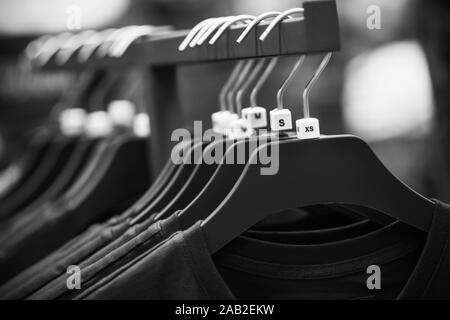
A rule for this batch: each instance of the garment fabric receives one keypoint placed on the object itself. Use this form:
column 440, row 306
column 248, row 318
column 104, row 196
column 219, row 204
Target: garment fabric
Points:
column 415, row 267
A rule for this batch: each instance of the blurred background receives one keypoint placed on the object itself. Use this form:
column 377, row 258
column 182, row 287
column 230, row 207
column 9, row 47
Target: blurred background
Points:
column 389, row 83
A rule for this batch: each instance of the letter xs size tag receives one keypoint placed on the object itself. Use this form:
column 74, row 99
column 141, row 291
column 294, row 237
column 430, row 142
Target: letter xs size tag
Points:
column 308, row 128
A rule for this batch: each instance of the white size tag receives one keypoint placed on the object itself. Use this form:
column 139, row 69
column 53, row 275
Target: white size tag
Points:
column 256, row 116
column 71, row 121
column 122, row 112
column 280, row 119
column 307, row 128
column 218, row 119
column 226, row 124
column 141, row 125
column 98, row 124
column 239, row 128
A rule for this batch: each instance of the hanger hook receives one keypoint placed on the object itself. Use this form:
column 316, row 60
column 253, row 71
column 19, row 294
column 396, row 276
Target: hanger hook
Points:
column 241, row 77
column 190, row 36
column 255, row 22
column 228, row 24
column 208, row 30
column 33, row 49
column 121, row 46
column 271, row 65
column 282, row 90
column 111, row 39
column 268, row 70
column 227, row 86
column 69, row 47
column 92, row 43
column 277, row 20
column 256, row 70
column 50, row 47
column 312, row 82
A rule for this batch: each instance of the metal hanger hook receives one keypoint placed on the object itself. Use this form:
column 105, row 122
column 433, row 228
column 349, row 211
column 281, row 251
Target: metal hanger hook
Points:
column 208, row 30
column 278, row 19
column 228, row 24
column 240, row 93
column 110, row 40
column 70, row 46
column 312, row 82
column 248, row 65
column 255, row 22
column 121, row 46
column 92, row 43
column 33, row 49
column 190, row 36
column 50, row 47
column 290, row 77
column 227, row 86
column 268, row 70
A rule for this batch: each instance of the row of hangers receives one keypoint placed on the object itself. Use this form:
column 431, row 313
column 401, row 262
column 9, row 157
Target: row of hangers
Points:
column 313, row 168
column 76, row 158
column 112, row 42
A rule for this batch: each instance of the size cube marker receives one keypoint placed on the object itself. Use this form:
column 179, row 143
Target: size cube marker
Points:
column 256, row 116
column 218, row 119
column 307, row 128
column 72, row 121
column 240, row 128
column 280, row 119
column 227, row 123
column 122, row 112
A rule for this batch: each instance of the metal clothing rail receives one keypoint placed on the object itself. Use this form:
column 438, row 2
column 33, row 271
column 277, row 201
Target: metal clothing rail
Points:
column 317, row 32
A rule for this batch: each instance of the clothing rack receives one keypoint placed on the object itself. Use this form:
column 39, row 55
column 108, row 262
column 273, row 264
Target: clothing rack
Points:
column 317, row 32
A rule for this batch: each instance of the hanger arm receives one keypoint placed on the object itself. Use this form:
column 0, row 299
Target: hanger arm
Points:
column 332, row 169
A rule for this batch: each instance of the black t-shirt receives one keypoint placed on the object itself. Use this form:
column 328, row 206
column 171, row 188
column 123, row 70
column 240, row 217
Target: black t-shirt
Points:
column 103, row 248
column 100, row 266
column 413, row 265
column 55, row 264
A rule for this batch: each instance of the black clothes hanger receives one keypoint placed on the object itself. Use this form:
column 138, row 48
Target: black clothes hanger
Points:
column 198, row 203
column 198, row 178
column 224, row 176
column 170, row 168
column 338, row 169
column 61, row 161
column 334, row 169
column 180, row 177
column 167, row 174
column 27, row 164
column 50, row 166
column 221, row 182
column 94, row 198
column 239, row 81
column 201, row 172
column 193, row 177
column 110, row 178
column 109, row 87
column 208, row 186
column 72, row 168
column 66, row 178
